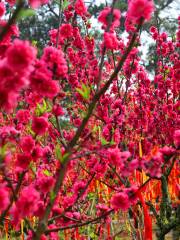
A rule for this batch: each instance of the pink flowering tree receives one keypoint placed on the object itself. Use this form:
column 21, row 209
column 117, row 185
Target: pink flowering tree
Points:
column 88, row 139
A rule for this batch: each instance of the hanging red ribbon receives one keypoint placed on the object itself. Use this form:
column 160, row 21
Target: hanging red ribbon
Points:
column 147, row 219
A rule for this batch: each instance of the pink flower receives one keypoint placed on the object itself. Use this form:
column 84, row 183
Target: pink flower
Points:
column 80, row 7
column 40, row 209
column 4, row 198
column 57, row 110
column 167, row 150
column 125, row 155
column 37, row 153
column 66, row 30
column 30, row 236
column 134, row 164
column 41, row 83
column 14, row 72
column 114, row 157
column 39, row 125
column 53, row 235
column 27, row 144
column 2, row 9
column 23, row 116
column 104, row 17
column 46, row 154
column 11, row 80
column 177, row 138
column 140, row 8
column 153, row 29
column 54, row 58
column 153, row 166
column 8, row 133
column 69, row 201
column 102, row 208
column 45, row 183
column 132, row 194
column 27, row 202
column 120, row 201
column 110, row 41
column 78, row 187
column 20, row 55
column 53, row 37
column 23, row 160
column 37, row 3
column 11, row 2
column 12, row 31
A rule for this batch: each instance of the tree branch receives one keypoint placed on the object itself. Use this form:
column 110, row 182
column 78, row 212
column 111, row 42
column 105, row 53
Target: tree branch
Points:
column 92, row 221
column 62, row 171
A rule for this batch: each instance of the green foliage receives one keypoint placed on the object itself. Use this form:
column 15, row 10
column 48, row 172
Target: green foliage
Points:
column 52, row 195
column 104, row 141
column 84, row 91
column 65, row 4
column 3, row 152
column 36, row 27
column 42, row 108
column 58, row 153
column 64, row 157
column 47, row 173
column 26, row 13
column 33, row 168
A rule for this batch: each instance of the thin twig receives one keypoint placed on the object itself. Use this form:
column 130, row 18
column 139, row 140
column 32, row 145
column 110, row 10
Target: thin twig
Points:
column 52, row 10
column 92, row 221
column 104, row 48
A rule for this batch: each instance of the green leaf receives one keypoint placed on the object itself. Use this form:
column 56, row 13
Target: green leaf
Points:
column 32, row 166
column 95, row 129
column 65, row 4
column 3, row 152
column 41, row 109
column 52, row 195
column 93, row 235
column 104, row 141
column 65, row 157
column 34, row 43
column 47, row 173
column 26, row 12
column 112, row 142
column 62, row 158
column 84, row 91
column 58, row 153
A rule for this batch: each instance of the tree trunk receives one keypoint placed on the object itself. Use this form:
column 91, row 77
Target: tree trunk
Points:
column 176, row 233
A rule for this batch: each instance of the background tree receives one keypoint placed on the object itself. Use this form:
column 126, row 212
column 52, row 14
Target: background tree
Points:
column 36, row 28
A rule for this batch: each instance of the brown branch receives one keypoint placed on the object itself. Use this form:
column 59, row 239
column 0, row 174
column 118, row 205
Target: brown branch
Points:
column 109, row 186
column 78, row 197
column 153, row 209
column 92, row 221
column 169, row 169
column 58, row 128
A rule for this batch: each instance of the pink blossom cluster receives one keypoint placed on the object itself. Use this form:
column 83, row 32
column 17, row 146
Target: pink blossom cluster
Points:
column 60, row 170
column 15, row 68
